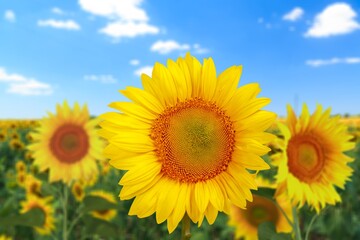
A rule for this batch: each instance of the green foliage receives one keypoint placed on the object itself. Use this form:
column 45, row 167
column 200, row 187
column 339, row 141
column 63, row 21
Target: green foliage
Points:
column 33, row 218
column 93, row 203
column 266, row 231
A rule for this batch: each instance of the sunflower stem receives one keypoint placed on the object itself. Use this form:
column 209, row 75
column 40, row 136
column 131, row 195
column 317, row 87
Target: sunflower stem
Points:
column 64, row 205
column 296, row 225
column 185, row 231
column 309, row 227
column 74, row 222
column 284, row 213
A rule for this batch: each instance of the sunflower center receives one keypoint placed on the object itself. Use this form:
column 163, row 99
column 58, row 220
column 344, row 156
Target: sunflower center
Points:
column 78, row 190
column 69, row 143
column 35, row 188
column 103, row 212
column 305, row 157
column 261, row 210
column 194, row 140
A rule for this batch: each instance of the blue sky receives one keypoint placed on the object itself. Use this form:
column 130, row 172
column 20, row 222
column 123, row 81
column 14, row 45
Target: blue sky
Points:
column 87, row 50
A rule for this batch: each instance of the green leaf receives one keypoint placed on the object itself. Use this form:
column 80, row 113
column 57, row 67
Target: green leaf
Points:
column 33, row 218
column 94, row 203
column 265, row 192
column 266, row 231
column 101, row 228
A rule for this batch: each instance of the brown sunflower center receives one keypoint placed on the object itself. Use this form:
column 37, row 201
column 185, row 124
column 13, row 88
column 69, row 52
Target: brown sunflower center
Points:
column 103, row 212
column 69, row 143
column 305, row 157
column 34, row 188
column 261, row 210
column 78, row 191
column 194, row 140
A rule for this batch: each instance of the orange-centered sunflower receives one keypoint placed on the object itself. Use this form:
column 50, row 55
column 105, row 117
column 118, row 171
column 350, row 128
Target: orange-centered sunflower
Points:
column 313, row 162
column 187, row 140
column 67, row 144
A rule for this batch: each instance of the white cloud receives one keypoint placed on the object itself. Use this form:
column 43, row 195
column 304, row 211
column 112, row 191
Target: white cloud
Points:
column 134, row 62
column 21, row 85
column 121, row 29
column 294, row 14
column 128, row 10
column 101, row 78
column 68, row 24
column 332, row 61
column 164, row 47
column 57, row 11
column 260, row 20
column 146, row 70
column 126, row 18
column 335, row 19
column 199, row 50
column 9, row 15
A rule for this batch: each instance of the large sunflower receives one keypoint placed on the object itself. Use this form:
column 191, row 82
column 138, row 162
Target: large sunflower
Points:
column 313, row 162
column 67, row 144
column 187, row 140
column 31, row 202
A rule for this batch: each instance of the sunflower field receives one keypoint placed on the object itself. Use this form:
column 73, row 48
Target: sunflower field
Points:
column 191, row 158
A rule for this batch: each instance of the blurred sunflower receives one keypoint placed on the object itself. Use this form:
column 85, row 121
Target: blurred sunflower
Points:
column 21, row 178
column 261, row 209
column 3, row 136
column 32, row 202
column 28, row 156
column 106, row 214
column 105, row 167
column 20, row 166
column 4, row 237
column 29, row 137
column 77, row 190
column 16, row 144
column 67, row 144
column 32, row 185
column 14, row 135
column 89, row 181
column 313, row 162
column 187, row 140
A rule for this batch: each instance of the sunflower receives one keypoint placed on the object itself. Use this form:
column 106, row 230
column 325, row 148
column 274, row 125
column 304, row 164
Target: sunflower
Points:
column 32, row 185
column 67, row 144
column 187, row 141
column 313, row 162
column 29, row 156
column 20, row 166
column 105, row 168
column 16, row 144
column 77, row 190
column 89, row 181
column 21, row 178
column 15, row 135
column 3, row 136
column 106, row 214
column 29, row 137
column 32, row 202
column 4, row 237
column 261, row 209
